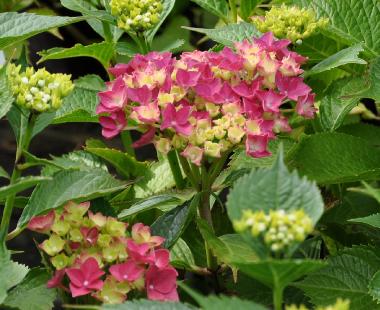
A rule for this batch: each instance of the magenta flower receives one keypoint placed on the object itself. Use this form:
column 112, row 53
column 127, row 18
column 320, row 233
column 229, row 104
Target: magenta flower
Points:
column 246, row 90
column 42, row 223
column 113, row 124
column 271, row 101
column 149, row 113
column 142, row 95
column 90, row 235
column 269, row 43
column 86, row 278
column 162, row 257
column 141, row 253
column 194, row 154
column 256, row 145
column 146, row 138
column 186, row 79
column 113, row 99
column 161, row 283
column 177, row 119
column 292, row 87
column 225, row 95
column 305, row 106
column 119, row 69
column 142, row 234
column 56, row 280
column 128, row 271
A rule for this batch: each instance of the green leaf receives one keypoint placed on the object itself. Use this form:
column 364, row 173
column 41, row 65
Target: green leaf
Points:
column 16, row 27
column 336, row 104
column 228, row 35
column 181, row 256
column 172, row 224
column 168, row 6
column 368, row 132
column 279, row 272
column 272, row 189
column 11, row 273
column 331, row 158
column 368, row 190
column 6, row 97
column 247, row 7
column 18, row 119
column 102, row 52
column 213, row 302
column 216, row 7
column 144, row 304
column 372, row 220
column 80, row 105
column 346, row 276
column 87, row 9
column 32, row 293
column 350, row 21
column 69, row 185
column 3, row 173
column 124, row 163
column 372, row 82
column 374, row 286
column 346, row 56
column 21, row 185
column 127, row 48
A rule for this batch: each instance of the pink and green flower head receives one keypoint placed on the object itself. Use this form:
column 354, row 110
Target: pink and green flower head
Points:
column 114, row 98
column 142, row 234
column 128, row 271
column 161, row 283
column 42, row 223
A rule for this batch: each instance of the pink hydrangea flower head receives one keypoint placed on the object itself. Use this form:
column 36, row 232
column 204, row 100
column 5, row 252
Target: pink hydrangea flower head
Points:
column 270, row 100
column 146, row 138
column 142, row 234
column 149, row 113
column 56, row 280
column 142, row 95
column 247, row 90
column 90, row 235
column 113, row 99
column 119, row 70
column 177, row 119
column 140, row 252
column 268, row 42
column 113, row 124
column 292, row 87
column 128, row 271
column 98, row 219
column 194, row 154
column 162, row 258
column 86, row 278
column 256, row 145
column 42, row 223
column 187, row 78
column 305, row 106
column 161, row 283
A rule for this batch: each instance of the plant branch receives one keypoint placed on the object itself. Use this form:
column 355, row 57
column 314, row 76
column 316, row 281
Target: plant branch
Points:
column 176, row 169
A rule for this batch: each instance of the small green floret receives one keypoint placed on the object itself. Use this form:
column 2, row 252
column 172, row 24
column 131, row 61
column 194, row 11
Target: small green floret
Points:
column 341, row 304
column 136, row 15
column 292, row 23
column 39, row 90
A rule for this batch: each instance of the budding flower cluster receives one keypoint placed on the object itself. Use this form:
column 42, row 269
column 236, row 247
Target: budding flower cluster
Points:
column 136, row 15
column 292, row 23
column 278, row 230
column 95, row 255
column 206, row 103
column 341, row 304
column 39, row 90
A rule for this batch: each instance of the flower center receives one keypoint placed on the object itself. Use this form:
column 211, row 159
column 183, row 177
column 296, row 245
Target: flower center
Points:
column 85, row 283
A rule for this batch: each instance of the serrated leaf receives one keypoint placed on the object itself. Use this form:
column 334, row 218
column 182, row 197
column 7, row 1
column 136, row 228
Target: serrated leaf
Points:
column 374, row 287
column 368, row 132
column 69, row 185
column 16, row 27
column 247, row 7
column 32, row 293
column 372, row 82
column 168, row 6
column 216, row 7
column 172, row 224
column 148, row 305
column 124, row 163
column 346, row 56
column 127, row 48
column 181, row 256
column 18, row 119
column 350, row 21
column 337, row 103
column 11, row 273
column 346, row 276
column 331, row 158
column 87, row 9
column 372, row 220
column 6, row 97
column 228, row 35
column 102, row 52
column 3, row 173
column 21, row 185
column 80, row 105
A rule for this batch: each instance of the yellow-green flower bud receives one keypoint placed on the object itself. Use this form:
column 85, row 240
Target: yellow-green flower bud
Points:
column 136, row 15
column 39, row 90
column 53, row 245
column 339, row 305
column 60, row 261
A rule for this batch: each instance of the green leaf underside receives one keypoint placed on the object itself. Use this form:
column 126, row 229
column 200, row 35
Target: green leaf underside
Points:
column 69, row 185
column 230, row 34
column 346, row 276
column 32, row 293
column 16, row 27
column 103, row 52
column 331, row 158
column 6, row 98
column 216, row 7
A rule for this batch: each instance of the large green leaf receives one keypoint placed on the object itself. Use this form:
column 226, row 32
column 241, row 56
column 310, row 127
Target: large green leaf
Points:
column 16, row 27
column 21, row 185
column 274, row 188
column 368, row 132
column 371, row 87
column 337, row 103
column 346, row 276
column 368, row 190
column 346, row 56
column 350, row 21
column 172, row 224
column 181, row 256
column 87, row 9
column 144, row 304
column 331, row 158
column 374, row 287
column 103, row 52
column 69, row 185
column 247, row 7
column 32, row 293
column 216, row 7
column 372, row 220
column 228, row 35
column 80, row 105
column 11, row 273
column 6, row 98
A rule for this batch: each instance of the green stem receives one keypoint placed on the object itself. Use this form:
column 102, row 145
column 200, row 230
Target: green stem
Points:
column 9, row 202
column 278, row 297
column 176, row 169
column 107, row 32
column 233, row 11
column 189, row 173
column 127, row 142
column 217, row 167
column 85, row 307
column 141, row 42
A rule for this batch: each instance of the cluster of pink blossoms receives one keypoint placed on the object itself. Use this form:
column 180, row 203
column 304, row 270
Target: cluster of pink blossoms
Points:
column 95, row 255
column 205, row 103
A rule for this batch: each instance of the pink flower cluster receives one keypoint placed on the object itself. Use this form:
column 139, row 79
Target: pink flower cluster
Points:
column 95, row 255
column 205, row 103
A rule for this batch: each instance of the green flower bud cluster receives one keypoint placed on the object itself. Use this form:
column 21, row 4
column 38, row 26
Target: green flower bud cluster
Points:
column 278, row 230
column 39, row 90
column 292, row 23
column 136, row 15
column 341, row 304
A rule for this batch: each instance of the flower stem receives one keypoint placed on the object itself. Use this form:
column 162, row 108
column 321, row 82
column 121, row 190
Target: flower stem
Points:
column 233, row 10
column 278, row 297
column 189, row 173
column 176, row 169
column 127, row 142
